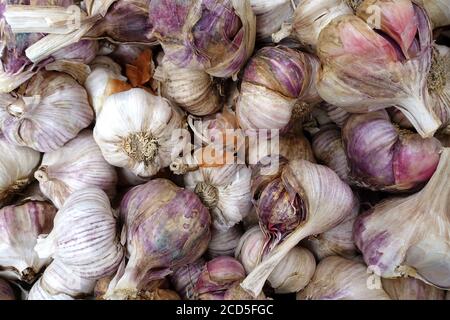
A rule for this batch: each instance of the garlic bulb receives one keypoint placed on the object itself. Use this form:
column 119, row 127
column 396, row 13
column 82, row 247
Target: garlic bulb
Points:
column 411, row 289
column 20, row 226
column 184, row 279
column 76, row 166
column 37, row 292
column 224, row 243
column 53, row 110
column 364, row 71
column 410, row 236
column 216, row 36
column 17, row 165
column 167, row 227
column 337, row 278
column 224, row 190
column 307, row 199
column 140, row 132
column 193, row 90
column 329, row 149
column 126, row 178
column 6, row 291
column 438, row 11
column 217, row 276
column 382, row 157
column 84, row 236
column 250, row 248
column 276, row 81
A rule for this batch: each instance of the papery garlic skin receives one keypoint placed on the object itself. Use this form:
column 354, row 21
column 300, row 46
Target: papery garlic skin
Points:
column 184, row 279
column 225, row 191
column 411, row 289
column 167, row 227
column 438, row 11
column 6, row 291
column 76, row 166
column 20, row 227
column 51, row 112
column 410, row 236
column 39, row 293
column 84, row 237
column 338, row 115
column 193, row 90
column 337, row 278
column 17, row 165
column 275, row 80
column 224, row 243
column 139, row 132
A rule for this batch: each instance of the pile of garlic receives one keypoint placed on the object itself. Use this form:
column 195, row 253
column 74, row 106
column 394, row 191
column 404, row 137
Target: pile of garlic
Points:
column 225, row 150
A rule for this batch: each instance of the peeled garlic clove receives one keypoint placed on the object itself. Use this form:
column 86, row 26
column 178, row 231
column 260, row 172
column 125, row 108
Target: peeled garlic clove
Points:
column 337, row 278
column 225, row 191
column 275, row 80
column 319, row 201
column 51, row 112
column 217, row 276
column 76, row 166
column 409, row 236
column 350, row 41
column 6, row 291
column 438, row 11
column 167, row 227
column 39, row 293
column 184, row 279
column 222, row 33
column 224, row 243
column 140, row 132
column 193, row 90
column 17, row 165
column 411, row 289
column 20, row 226
column 84, row 237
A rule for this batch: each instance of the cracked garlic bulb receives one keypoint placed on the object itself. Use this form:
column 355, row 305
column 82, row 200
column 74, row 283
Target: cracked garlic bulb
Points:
column 17, row 165
column 84, row 237
column 52, row 111
column 76, row 166
column 140, row 131
column 20, row 227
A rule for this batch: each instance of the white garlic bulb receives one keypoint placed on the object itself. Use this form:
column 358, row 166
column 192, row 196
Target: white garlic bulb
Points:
column 225, row 191
column 139, row 132
column 76, row 166
column 51, row 112
column 126, row 178
column 293, row 272
column 20, row 226
column 224, row 243
column 84, row 237
column 250, row 248
column 17, row 165
column 193, row 90
column 39, row 293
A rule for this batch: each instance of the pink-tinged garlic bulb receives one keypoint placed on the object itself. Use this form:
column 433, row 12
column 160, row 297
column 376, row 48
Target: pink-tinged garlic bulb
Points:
column 140, row 132
column 438, row 11
column 76, row 166
column 225, row 190
column 84, row 238
column 6, row 291
column 20, row 227
column 304, row 200
column 411, row 289
column 382, row 157
column 337, row 241
column 277, row 82
column 410, row 236
column 216, row 36
column 224, row 243
column 217, row 276
column 329, row 149
column 363, row 70
column 52, row 111
column 17, row 165
column 337, row 278
column 167, row 227
column 193, row 90
column 184, row 279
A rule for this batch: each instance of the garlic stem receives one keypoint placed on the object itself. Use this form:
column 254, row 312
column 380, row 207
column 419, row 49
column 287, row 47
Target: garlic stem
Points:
column 421, row 116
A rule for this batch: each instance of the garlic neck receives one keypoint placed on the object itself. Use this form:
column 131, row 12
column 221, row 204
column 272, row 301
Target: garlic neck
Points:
column 208, row 194
column 141, row 147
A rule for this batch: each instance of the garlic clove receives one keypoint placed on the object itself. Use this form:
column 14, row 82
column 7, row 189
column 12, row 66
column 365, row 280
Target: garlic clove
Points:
column 411, row 289
column 6, row 291
column 20, row 227
column 76, row 166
